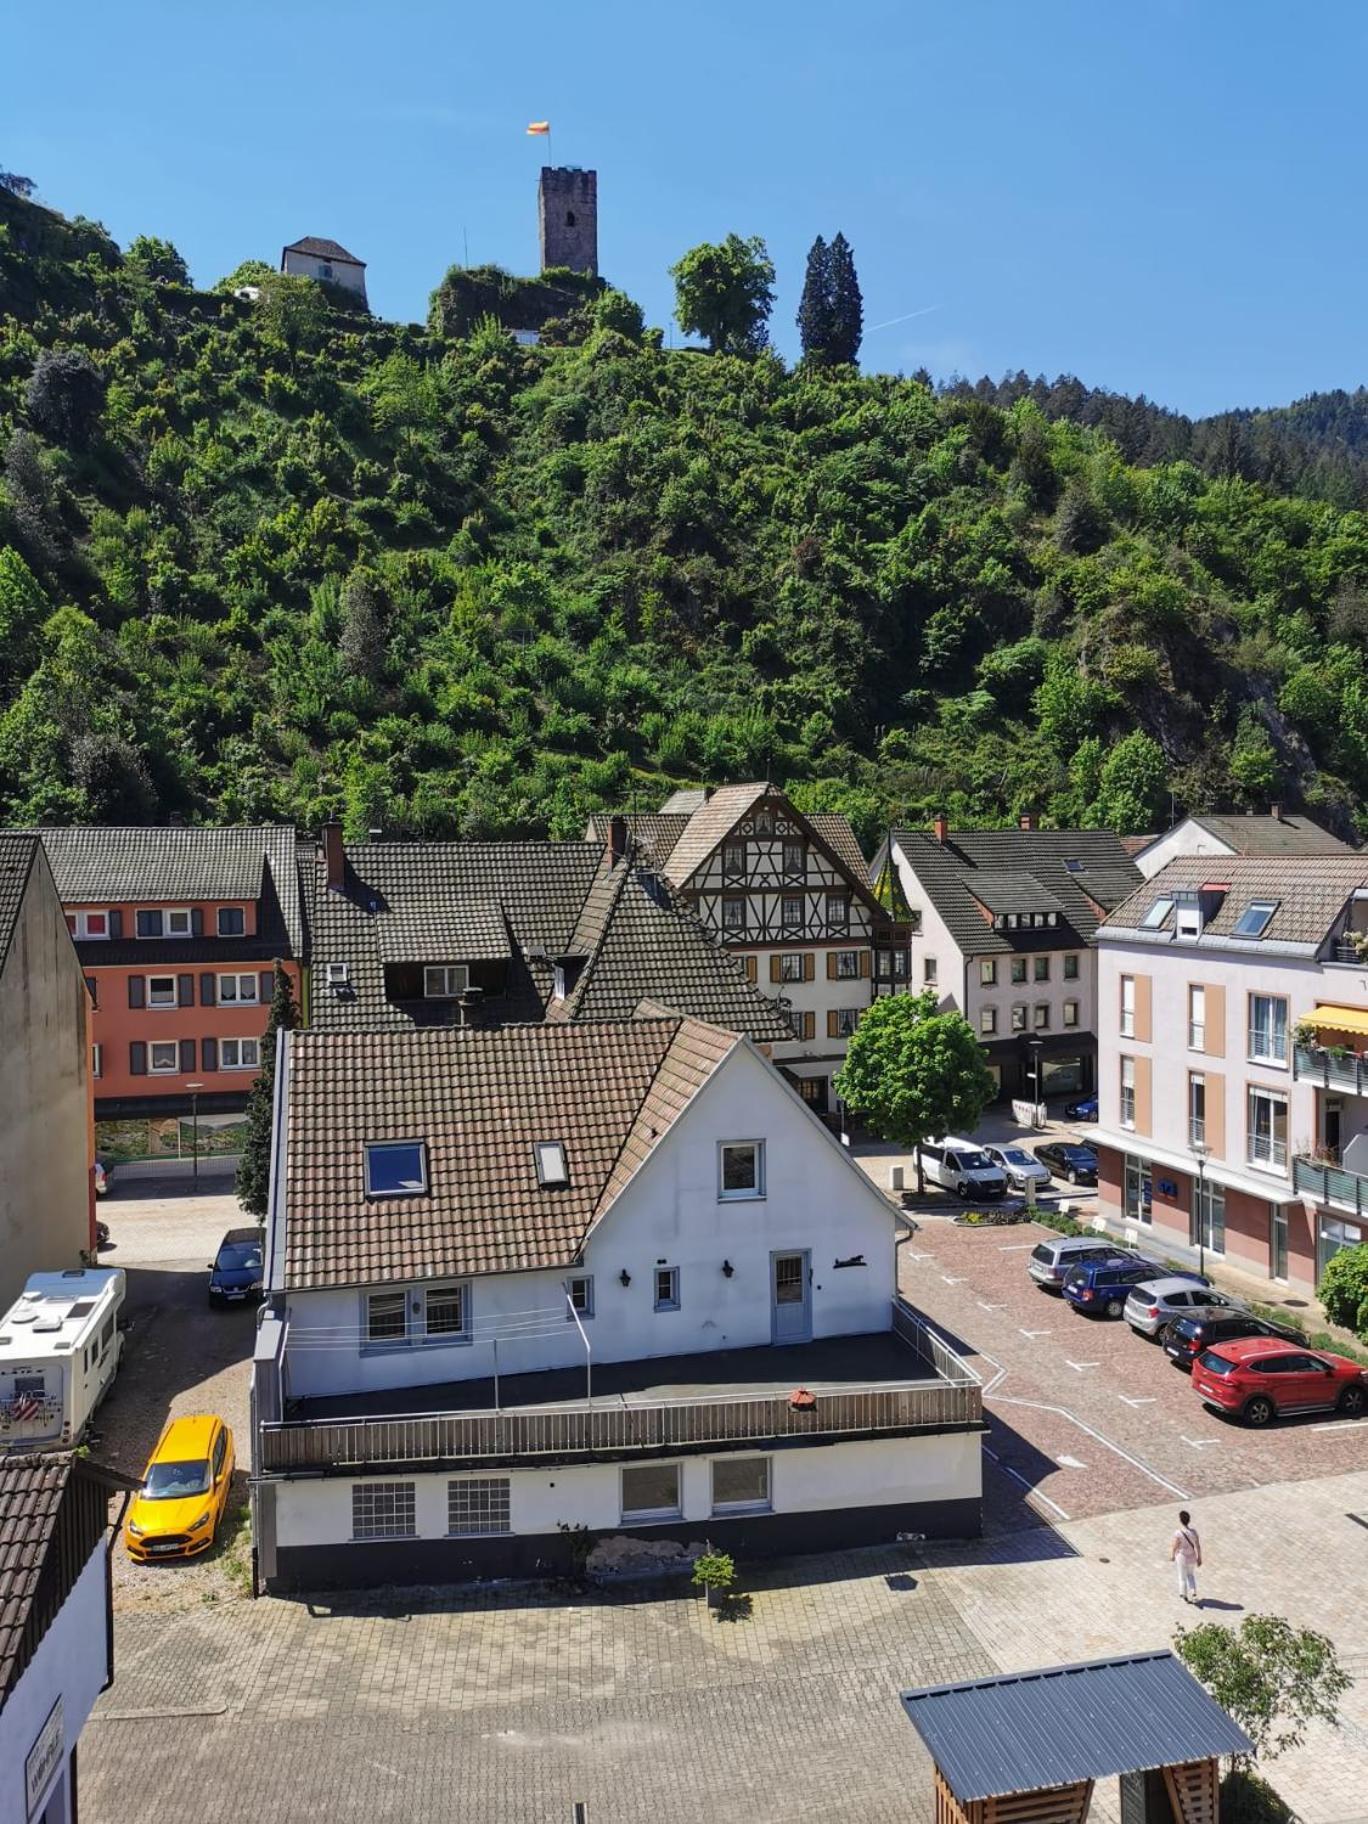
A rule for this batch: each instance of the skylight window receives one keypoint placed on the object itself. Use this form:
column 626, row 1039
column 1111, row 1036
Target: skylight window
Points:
column 1255, row 918
column 1075, row 867
column 552, row 1169
column 395, row 1168
column 1156, row 915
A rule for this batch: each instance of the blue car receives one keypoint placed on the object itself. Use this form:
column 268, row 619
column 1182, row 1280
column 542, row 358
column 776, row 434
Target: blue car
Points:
column 1100, row 1288
column 235, row 1271
column 1083, row 1110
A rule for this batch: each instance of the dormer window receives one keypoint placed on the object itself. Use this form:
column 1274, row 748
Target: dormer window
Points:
column 1188, row 917
column 1255, row 918
column 337, row 976
column 396, row 1168
column 553, row 1172
column 446, row 981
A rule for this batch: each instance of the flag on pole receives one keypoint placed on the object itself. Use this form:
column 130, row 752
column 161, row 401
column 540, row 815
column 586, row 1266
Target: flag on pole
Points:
column 542, row 127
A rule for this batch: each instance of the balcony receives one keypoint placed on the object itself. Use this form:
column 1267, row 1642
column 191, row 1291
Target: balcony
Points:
column 1332, row 1185
column 901, row 1380
column 1345, row 950
column 1340, row 1070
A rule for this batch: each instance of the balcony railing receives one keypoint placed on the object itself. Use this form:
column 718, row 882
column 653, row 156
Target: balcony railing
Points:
column 1267, row 1045
column 1314, row 1064
column 1346, row 951
column 1332, row 1185
column 1266, row 1149
column 952, row 1400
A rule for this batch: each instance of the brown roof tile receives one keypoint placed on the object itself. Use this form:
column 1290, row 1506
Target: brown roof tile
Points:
column 1308, row 894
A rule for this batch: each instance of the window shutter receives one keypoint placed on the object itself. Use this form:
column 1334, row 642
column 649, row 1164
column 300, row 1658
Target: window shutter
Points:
column 775, row 975
column 208, row 1054
column 267, row 988
column 116, row 923
column 809, row 1025
column 207, row 991
column 137, row 991
column 833, row 1024
column 137, row 1059
column 197, row 921
column 866, row 963
column 748, row 964
column 187, row 1057
column 831, row 965
column 185, row 991
column 809, row 966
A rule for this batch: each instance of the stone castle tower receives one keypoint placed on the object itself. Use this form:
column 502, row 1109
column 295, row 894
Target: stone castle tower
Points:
column 567, row 216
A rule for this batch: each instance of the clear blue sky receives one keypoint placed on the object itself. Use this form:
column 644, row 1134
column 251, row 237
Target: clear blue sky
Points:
column 1158, row 195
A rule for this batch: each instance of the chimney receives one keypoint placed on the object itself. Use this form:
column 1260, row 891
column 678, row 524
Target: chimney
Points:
column 1026, row 821
column 617, row 840
column 1275, row 812
column 334, row 856
column 940, row 827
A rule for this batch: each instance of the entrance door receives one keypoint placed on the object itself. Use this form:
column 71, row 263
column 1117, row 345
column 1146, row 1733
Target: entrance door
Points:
column 1332, row 1123
column 1277, row 1241
column 791, row 1300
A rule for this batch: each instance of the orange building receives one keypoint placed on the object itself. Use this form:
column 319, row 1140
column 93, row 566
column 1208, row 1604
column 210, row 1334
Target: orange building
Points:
column 178, row 931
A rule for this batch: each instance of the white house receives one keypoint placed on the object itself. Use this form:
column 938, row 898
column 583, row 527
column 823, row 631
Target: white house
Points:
column 1238, row 833
column 56, row 1625
column 537, row 1286
column 1232, row 1081
column 315, row 257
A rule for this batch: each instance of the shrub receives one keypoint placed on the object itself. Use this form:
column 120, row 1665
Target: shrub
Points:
column 714, row 1571
column 1271, row 1677
column 1248, row 1799
column 1344, row 1285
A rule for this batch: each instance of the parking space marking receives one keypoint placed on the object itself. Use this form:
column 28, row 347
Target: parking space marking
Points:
column 953, row 1280
column 983, row 1305
column 1070, row 1463
column 1015, row 1247
column 1101, row 1437
column 1078, row 1367
column 1032, row 1492
column 1338, row 1425
column 1033, row 1332
column 1201, row 1443
column 1146, row 1399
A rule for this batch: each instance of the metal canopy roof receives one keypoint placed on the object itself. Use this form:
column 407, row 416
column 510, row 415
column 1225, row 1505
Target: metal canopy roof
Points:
column 1030, row 1730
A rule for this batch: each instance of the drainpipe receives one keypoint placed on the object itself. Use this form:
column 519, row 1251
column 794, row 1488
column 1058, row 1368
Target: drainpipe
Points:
column 109, row 1589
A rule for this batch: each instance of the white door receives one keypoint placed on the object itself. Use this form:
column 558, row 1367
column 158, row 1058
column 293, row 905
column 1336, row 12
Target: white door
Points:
column 790, row 1298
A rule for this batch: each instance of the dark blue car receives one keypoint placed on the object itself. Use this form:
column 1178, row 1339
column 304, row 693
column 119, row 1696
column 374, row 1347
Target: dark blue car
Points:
column 235, row 1271
column 1100, row 1288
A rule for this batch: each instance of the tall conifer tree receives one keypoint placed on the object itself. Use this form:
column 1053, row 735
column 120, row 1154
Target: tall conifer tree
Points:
column 814, row 308
column 254, row 1167
column 847, row 306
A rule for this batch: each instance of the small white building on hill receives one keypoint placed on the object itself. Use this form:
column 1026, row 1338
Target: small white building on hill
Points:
column 317, row 258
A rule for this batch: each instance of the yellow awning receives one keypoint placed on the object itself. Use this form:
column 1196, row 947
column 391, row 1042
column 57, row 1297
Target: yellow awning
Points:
column 1342, row 1019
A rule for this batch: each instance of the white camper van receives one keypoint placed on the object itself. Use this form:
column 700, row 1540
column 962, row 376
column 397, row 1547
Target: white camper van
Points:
column 59, row 1350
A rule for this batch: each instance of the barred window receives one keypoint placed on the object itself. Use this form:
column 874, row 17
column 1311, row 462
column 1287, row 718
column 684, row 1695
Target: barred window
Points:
column 478, row 1504
column 383, row 1510
column 386, row 1317
column 445, row 1311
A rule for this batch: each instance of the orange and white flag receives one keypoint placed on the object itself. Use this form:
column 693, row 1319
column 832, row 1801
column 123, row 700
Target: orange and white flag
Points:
column 542, row 127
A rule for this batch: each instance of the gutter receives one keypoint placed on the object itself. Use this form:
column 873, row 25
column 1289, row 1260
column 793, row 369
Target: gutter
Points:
column 1243, row 946
column 109, row 1589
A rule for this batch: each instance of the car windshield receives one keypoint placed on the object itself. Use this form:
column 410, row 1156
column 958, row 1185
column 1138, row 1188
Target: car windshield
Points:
column 175, row 1481
column 1078, row 1155
column 976, row 1162
column 235, row 1254
column 1043, row 1252
column 1215, row 1364
column 1015, row 1156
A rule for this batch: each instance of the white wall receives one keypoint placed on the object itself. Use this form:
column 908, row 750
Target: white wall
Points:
column 934, row 940
column 1005, row 994
column 868, row 1473
column 1185, row 838
column 309, row 266
column 819, row 1055
column 71, row 1663
column 670, row 1214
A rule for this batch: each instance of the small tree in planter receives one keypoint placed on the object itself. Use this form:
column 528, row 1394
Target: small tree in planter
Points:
column 714, row 1571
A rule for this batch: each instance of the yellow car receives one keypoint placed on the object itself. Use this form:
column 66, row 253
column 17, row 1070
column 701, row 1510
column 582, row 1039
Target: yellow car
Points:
column 176, row 1512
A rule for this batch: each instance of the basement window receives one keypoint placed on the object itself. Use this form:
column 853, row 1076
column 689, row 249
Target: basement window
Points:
column 395, row 1168
column 552, row 1169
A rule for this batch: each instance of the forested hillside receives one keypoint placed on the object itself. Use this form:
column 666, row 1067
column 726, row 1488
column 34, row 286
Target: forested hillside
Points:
column 270, row 560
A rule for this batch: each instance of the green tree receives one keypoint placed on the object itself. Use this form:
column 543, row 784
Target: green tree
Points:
column 65, row 397
column 254, row 1166
column 725, row 292
column 294, row 314
column 1273, row 1678
column 158, row 259
column 1344, row 1285
column 248, row 272
column 814, row 318
column 847, row 305
column 1133, row 785
column 363, row 641
column 1253, row 760
column 913, row 1072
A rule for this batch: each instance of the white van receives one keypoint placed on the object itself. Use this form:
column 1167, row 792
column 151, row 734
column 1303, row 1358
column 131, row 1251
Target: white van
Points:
column 59, row 1351
column 961, row 1167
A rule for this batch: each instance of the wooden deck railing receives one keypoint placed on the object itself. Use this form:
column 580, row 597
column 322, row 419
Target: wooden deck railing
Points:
column 609, row 1424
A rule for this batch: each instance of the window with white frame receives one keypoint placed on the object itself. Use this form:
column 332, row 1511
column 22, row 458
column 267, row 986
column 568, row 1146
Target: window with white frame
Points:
column 384, row 1510
column 1156, row 915
column 580, row 1291
column 239, row 1054
column 1071, row 1013
column 446, row 1313
column 791, row 966
column 161, row 991
column 97, row 1060
column 1196, row 1110
column 837, row 910
column 387, row 1317
column 238, row 990
column 477, row 1505
column 1187, row 917
column 847, row 1019
column 929, row 971
column 1071, row 968
column 231, row 921
column 650, row 1491
column 740, row 1485
column 163, row 1057
column 988, row 972
column 553, row 1169
column 1268, row 1028
column 667, row 1288
column 179, row 921
column 1267, row 1130
column 791, row 911
column 1196, row 1017
column 87, row 925
column 1018, row 1018
column 395, row 1168
column 445, row 981
column 987, row 1019
column 740, row 1169
column 1127, row 1006
column 1128, row 1092
column 847, row 965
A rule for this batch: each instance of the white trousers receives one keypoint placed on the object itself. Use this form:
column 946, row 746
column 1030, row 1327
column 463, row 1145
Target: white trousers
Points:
column 1187, row 1576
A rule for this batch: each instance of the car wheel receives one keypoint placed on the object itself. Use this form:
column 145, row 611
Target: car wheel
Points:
column 1115, row 1306
column 962, row 1192
column 1259, row 1411
column 1352, row 1402
column 1072, row 1176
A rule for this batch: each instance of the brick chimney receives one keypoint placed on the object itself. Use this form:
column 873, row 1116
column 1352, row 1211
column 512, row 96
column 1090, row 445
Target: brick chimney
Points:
column 1275, row 812
column 617, row 840
column 940, row 827
column 334, row 857
column 1026, row 821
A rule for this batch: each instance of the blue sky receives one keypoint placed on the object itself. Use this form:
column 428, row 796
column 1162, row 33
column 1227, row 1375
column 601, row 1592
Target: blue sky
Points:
column 1158, row 195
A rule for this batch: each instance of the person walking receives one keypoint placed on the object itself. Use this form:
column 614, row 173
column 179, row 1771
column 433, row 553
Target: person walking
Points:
column 1186, row 1553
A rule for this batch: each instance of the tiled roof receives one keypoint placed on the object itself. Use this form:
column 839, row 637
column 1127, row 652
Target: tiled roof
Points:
column 480, row 1101
column 1267, row 835
column 17, row 850
column 836, row 833
column 710, row 824
column 1011, row 892
column 1308, row 895
column 322, row 249
column 93, row 866
column 443, row 931
column 662, row 833
column 950, row 873
column 655, row 832
column 688, row 799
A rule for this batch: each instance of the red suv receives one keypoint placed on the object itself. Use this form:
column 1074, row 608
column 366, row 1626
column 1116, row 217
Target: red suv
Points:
column 1258, row 1378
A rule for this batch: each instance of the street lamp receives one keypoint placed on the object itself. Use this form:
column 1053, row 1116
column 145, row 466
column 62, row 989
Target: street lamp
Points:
column 194, row 1089
column 1200, row 1151
column 1036, row 1045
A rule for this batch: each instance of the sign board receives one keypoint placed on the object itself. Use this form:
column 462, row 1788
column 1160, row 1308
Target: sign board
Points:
column 45, row 1759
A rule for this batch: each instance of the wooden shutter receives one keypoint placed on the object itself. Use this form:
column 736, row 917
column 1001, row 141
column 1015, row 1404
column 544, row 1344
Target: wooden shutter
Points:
column 187, row 1057
column 208, row 991
column 1143, row 1027
column 137, row 1059
column 776, row 974
column 748, row 964
column 197, row 921
column 1215, row 1046
column 809, row 966
column 116, row 923
column 1143, row 1095
column 185, row 991
column 866, row 963
column 831, row 965
column 833, row 1024
column 137, row 991
column 1215, row 1114
column 267, row 988
column 208, row 1054
column 809, row 1025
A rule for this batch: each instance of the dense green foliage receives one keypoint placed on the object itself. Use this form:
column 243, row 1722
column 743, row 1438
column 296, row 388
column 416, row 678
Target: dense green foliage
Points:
column 1273, row 1678
column 1343, row 1289
column 253, row 1186
column 274, row 560
column 831, row 310
column 726, row 292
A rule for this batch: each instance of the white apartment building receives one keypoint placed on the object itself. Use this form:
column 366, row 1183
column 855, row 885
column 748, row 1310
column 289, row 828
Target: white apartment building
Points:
column 1233, row 1085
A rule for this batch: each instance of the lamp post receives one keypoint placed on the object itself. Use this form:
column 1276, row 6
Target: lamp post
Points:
column 194, row 1089
column 1200, row 1150
column 1036, row 1045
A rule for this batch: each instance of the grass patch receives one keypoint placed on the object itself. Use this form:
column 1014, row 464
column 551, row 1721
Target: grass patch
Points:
column 235, row 1553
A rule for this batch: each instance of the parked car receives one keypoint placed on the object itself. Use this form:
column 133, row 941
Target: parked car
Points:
column 1100, row 1287
column 1186, row 1337
column 1258, row 1379
column 235, row 1271
column 1018, row 1165
column 185, row 1488
column 1153, row 1306
column 1069, row 1159
column 1050, row 1263
column 1085, row 1109
column 962, row 1167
